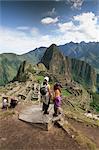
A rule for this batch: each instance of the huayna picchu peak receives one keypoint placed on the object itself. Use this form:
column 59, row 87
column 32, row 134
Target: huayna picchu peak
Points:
column 57, row 63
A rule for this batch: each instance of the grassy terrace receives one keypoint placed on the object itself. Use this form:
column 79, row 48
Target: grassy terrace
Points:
column 95, row 103
column 39, row 78
column 65, row 92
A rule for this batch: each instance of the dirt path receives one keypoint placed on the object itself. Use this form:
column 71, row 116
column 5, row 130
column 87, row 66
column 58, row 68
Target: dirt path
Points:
column 18, row 135
column 87, row 130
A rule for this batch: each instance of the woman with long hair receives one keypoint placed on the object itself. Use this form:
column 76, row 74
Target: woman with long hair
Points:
column 57, row 99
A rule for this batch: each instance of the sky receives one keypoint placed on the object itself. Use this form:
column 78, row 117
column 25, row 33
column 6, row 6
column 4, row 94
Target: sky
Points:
column 26, row 25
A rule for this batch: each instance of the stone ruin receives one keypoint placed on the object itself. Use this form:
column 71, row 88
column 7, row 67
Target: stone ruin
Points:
column 74, row 88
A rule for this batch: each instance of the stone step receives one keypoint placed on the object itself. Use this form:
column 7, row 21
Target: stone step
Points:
column 35, row 116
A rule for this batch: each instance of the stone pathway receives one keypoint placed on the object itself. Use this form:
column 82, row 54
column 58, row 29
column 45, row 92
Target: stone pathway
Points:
column 34, row 115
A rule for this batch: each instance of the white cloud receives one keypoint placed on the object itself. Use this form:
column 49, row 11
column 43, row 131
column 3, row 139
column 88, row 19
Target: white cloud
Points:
column 20, row 42
column 49, row 20
column 66, row 26
column 15, row 41
column 88, row 24
column 83, row 27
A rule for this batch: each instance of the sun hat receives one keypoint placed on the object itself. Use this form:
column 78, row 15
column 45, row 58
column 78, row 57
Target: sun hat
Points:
column 47, row 79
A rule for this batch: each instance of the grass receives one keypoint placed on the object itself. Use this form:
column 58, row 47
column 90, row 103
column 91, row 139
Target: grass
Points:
column 73, row 110
column 6, row 113
column 78, row 136
column 95, row 102
column 2, row 90
column 85, row 141
column 65, row 92
column 40, row 78
column 79, row 116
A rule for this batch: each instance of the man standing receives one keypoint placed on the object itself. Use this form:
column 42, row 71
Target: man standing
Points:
column 45, row 95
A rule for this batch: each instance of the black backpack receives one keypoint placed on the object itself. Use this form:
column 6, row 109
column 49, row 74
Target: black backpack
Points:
column 43, row 90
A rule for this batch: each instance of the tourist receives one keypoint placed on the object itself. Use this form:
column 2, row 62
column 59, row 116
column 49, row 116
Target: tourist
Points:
column 5, row 102
column 45, row 95
column 57, row 99
column 13, row 102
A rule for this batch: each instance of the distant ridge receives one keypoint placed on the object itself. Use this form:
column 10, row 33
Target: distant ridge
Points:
column 88, row 52
column 9, row 62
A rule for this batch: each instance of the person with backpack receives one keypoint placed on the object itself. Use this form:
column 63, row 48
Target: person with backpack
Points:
column 13, row 102
column 45, row 95
column 57, row 99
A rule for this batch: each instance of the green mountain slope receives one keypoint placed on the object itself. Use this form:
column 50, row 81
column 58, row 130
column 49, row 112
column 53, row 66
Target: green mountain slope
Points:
column 9, row 63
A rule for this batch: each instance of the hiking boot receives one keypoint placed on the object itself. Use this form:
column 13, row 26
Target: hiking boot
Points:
column 46, row 113
column 60, row 113
column 55, row 115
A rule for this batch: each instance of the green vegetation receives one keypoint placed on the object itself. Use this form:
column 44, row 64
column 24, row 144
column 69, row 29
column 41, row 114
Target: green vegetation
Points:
column 85, row 141
column 39, row 78
column 31, row 69
column 4, row 114
column 9, row 63
column 95, row 102
column 78, row 136
column 65, row 92
column 79, row 116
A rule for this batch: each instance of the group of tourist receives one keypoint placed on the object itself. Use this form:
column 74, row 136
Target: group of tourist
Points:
column 6, row 103
column 47, row 95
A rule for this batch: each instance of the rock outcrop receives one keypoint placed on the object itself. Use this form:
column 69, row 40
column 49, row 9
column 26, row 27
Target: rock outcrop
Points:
column 84, row 73
column 67, row 69
column 25, row 72
column 57, row 63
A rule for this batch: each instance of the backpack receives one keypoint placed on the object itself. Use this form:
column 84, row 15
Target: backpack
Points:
column 43, row 90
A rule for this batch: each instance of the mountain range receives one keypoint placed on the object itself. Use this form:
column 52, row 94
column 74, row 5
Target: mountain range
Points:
column 59, row 68
column 88, row 52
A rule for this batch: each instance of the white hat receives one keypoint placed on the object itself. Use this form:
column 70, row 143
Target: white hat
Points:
column 47, row 79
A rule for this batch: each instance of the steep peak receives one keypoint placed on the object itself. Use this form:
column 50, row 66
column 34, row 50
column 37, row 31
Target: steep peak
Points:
column 49, row 54
column 56, row 62
column 53, row 48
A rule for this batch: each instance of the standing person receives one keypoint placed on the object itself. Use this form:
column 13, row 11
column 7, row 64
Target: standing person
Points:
column 13, row 102
column 4, row 102
column 57, row 99
column 45, row 95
